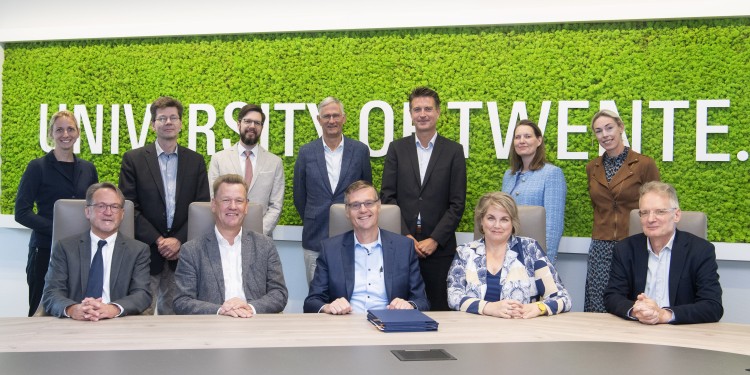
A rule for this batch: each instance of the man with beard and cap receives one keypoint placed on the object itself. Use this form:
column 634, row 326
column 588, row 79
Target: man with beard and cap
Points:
column 262, row 170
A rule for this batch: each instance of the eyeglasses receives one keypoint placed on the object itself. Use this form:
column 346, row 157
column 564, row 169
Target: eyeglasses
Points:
column 331, row 116
column 354, row 206
column 660, row 212
column 249, row 122
column 163, row 119
column 226, row 202
column 102, row 207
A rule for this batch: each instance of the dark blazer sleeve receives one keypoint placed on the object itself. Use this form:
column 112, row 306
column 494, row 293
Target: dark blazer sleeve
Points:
column 28, row 190
column 621, row 290
column 188, row 278
column 389, row 183
column 698, row 295
column 445, row 229
column 364, row 154
column 128, row 184
column 194, row 189
column 320, row 286
column 58, row 284
column 134, row 274
column 299, row 180
column 417, row 294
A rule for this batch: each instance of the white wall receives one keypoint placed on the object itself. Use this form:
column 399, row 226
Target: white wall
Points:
column 26, row 20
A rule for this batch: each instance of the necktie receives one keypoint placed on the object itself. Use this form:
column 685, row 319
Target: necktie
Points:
column 96, row 273
column 248, row 167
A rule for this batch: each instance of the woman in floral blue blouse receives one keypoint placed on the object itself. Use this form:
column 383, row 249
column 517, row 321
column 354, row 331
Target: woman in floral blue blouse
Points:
column 502, row 274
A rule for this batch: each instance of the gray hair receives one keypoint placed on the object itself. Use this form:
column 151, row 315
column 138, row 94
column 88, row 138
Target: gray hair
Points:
column 330, row 100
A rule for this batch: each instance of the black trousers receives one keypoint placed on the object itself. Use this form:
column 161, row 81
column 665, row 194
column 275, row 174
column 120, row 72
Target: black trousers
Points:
column 36, row 269
column 435, row 274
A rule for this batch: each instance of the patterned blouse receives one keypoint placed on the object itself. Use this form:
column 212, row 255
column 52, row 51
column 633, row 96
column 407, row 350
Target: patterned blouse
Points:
column 527, row 275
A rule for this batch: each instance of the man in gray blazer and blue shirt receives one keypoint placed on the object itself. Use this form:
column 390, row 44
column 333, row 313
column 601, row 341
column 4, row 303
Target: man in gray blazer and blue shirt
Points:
column 98, row 274
column 229, row 271
column 263, row 171
column 324, row 168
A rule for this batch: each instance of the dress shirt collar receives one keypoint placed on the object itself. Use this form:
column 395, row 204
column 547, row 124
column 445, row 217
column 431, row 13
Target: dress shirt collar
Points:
column 358, row 244
column 160, row 150
column 223, row 241
column 430, row 144
column 339, row 147
column 667, row 246
column 241, row 149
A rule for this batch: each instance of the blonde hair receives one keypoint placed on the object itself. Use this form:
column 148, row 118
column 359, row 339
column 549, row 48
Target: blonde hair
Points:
column 500, row 200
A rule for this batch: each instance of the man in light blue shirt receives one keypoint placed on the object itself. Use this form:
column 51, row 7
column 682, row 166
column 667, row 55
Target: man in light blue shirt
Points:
column 366, row 268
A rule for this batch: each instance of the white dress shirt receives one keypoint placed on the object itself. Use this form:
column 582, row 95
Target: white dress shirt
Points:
column 231, row 265
column 333, row 162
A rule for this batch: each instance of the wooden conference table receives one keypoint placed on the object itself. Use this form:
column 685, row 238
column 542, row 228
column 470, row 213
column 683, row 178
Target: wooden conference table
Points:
column 319, row 343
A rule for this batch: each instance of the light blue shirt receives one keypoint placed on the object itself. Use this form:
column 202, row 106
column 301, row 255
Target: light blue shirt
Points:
column 423, row 157
column 369, row 284
column 168, row 168
column 657, row 278
column 333, row 162
column 544, row 187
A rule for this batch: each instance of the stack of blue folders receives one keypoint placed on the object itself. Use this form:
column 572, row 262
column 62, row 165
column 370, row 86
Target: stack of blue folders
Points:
column 401, row 321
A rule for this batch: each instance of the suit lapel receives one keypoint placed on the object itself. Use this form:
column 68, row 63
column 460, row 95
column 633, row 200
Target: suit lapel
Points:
column 347, row 257
column 640, row 265
column 411, row 151
column 152, row 162
column 118, row 253
column 389, row 261
column 676, row 264
column 625, row 171
column 320, row 160
column 234, row 160
column 599, row 175
column 346, row 161
column 84, row 251
column 248, row 259
column 436, row 148
column 214, row 258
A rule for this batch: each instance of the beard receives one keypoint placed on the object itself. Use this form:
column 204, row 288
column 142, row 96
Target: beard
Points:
column 250, row 138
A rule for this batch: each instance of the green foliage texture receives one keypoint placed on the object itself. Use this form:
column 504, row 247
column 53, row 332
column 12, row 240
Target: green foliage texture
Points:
column 670, row 60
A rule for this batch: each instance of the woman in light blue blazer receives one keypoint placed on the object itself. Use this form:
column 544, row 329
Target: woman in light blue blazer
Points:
column 532, row 181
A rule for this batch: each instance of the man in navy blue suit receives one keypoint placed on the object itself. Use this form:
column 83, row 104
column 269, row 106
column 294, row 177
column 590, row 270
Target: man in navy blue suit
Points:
column 663, row 275
column 324, row 168
column 368, row 267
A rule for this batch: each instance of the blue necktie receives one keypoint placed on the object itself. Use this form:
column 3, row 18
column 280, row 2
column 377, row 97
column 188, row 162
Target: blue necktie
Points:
column 96, row 273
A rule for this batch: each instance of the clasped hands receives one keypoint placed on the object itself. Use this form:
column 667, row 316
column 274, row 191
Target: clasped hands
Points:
column 647, row 311
column 425, row 247
column 168, row 247
column 92, row 309
column 341, row 306
column 236, row 308
column 511, row 309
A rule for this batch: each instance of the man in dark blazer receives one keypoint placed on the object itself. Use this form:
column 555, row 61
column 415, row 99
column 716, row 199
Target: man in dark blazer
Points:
column 227, row 271
column 323, row 170
column 71, row 289
column 663, row 275
column 162, row 179
column 425, row 175
column 367, row 267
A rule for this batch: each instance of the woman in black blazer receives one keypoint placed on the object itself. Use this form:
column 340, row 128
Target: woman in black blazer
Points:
column 57, row 175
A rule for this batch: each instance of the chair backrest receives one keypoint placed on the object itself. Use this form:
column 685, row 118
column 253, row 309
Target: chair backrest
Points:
column 388, row 219
column 533, row 224
column 69, row 219
column 694, row 222
column 201, row 219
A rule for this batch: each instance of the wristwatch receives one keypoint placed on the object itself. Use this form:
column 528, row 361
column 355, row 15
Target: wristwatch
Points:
column 542, row 307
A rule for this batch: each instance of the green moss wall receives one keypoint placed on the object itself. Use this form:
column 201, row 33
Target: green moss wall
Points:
column 676, row 60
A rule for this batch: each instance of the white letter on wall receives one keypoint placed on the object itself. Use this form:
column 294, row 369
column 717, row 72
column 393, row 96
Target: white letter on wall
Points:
column 702, row 129
column 501, row 148
column 464, row 114
column 668, row 137
column 408, row 127
column 114, row 141
column 231, row 122
column 289, row 109
column 137, row 141
column 194, row 128
column 93, row 137
column 364, row 125
column 563, row 129
column 43, row 123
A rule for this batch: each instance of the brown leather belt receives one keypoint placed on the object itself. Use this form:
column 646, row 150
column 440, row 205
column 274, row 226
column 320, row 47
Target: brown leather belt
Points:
column 419, row 229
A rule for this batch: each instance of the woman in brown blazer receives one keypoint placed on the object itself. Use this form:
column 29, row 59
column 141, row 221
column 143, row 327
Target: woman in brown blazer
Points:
column 614, row 179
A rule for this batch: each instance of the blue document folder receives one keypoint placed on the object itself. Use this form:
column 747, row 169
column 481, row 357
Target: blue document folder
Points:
column 401, row 320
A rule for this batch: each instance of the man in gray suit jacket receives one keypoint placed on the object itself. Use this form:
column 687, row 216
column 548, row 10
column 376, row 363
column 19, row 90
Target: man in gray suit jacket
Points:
column 265, row 176
column 228, row 271
column 324, row 168
column 98, row 274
